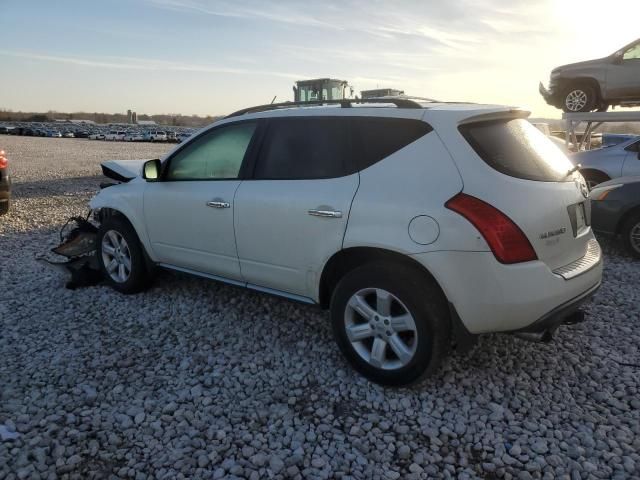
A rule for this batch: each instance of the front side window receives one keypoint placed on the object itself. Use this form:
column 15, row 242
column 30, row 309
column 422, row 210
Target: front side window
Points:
column 634, row 147
column 214, row 156
column 632, row 53
column 304, row 148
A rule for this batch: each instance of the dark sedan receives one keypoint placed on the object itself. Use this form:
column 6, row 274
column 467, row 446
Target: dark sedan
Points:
column 615, row 211
column 5, row 184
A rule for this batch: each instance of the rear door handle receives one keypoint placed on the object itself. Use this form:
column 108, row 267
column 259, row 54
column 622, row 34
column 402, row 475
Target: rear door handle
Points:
column 325, row 213
column 218, row 204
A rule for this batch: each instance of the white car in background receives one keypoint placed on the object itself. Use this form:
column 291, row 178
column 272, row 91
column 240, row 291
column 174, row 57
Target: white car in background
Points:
column 96, row 136
column 420, row 225
column 133, row 137
column 158, row 136
column 115, row 135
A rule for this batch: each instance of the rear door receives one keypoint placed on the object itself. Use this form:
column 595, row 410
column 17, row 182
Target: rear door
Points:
column 511, row 165
column 291, row 217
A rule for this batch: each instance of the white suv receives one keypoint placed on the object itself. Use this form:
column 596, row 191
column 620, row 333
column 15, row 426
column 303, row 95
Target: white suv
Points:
column 418, row 224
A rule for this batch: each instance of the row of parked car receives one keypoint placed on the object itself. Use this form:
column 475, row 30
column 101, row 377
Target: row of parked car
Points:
column 143, row 136
column 97, row 132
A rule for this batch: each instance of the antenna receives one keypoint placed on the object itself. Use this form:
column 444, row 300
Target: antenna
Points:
column 274, row 99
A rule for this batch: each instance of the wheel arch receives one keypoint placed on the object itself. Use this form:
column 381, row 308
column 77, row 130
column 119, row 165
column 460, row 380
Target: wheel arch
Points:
column 348, row 259
column 590, row 172
column 591, row 81
column 103, row 210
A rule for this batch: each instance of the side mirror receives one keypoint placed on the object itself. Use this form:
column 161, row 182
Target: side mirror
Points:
column 151, row 170
column 617, row 57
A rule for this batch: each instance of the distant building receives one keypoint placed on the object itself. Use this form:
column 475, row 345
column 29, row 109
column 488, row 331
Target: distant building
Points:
column 77, row 122
column 381, row 92
column 134, row 117
column 129, row 116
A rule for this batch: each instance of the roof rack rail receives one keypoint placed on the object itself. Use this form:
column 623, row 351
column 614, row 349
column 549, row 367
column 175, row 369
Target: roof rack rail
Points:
column 400, row 102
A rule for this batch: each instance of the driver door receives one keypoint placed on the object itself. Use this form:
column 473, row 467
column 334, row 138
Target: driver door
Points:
column 623, row 78
column 189, row 213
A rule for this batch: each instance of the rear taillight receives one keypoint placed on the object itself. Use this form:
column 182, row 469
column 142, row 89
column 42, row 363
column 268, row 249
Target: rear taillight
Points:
column 3, row 160
column 506, row 240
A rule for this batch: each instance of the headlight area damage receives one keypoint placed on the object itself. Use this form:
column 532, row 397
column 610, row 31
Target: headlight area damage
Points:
column 78, row 237
column 78, row 244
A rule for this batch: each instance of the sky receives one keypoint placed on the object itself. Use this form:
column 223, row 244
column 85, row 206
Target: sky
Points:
column 210, row 57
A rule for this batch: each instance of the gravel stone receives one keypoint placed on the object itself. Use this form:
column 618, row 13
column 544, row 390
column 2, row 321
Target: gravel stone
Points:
column 196, row 379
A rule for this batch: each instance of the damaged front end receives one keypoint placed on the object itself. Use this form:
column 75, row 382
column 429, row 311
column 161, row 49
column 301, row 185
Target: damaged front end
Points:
column 78, row 243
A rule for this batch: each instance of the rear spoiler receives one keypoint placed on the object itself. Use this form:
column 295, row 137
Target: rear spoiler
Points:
column 496, row 115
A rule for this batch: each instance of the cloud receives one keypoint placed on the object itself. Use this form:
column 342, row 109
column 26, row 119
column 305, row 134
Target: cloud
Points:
column 132, row 63
column 275, row 12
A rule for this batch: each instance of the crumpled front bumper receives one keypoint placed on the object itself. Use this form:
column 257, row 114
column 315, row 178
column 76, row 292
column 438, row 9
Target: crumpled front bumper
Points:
column 549, row 95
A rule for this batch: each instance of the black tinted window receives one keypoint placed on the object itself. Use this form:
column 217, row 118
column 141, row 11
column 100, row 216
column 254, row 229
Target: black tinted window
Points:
column 518, row 149
column 304, row 148
column 378, row 137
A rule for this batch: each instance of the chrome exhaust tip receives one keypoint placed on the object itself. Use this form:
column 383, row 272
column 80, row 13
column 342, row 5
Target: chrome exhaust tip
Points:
column 576, row 317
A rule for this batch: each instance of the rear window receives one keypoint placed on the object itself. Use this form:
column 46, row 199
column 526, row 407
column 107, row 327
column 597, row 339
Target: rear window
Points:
column 518, row 149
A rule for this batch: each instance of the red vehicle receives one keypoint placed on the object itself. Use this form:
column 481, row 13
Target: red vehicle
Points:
column 5, row 184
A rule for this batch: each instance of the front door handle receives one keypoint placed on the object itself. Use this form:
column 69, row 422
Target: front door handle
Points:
column 325, row 213
column 218, row 204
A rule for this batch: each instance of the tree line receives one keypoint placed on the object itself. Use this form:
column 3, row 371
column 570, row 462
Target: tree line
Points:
column 177, row 120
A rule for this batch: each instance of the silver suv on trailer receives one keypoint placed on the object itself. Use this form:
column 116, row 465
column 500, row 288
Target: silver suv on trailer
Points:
column 597, row 84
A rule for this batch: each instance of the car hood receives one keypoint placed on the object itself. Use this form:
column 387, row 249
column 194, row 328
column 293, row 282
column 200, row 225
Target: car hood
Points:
column 579, row 65
column 122, row 170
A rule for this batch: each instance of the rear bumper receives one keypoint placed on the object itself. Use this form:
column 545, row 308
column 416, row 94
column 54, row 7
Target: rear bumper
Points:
column 557, row 316
column 491, row 297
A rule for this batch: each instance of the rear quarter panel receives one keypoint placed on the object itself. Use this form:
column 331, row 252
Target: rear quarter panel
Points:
column 414, row 181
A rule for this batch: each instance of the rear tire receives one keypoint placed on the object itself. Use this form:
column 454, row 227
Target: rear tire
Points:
column 391, row 323
column 631, row 235
column 121, row 256
column 579, row 97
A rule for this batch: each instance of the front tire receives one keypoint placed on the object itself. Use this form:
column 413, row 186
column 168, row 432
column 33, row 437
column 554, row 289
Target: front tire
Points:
column 631, row 235
column 121, row 256
column 579, row 98
column 391, row 323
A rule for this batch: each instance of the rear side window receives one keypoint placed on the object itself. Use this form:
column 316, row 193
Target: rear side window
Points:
column 379, row 137
column 518, row 149
column 305, row 148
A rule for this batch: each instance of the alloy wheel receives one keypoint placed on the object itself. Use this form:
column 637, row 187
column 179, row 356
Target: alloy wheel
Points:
column 380, row 328
column 116, row 256
column 576, row 100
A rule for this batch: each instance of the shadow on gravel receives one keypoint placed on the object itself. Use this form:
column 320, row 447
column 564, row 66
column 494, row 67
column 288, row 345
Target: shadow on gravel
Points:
column 57, row 186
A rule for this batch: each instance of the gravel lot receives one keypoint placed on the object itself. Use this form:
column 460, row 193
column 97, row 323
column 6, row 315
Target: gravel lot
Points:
column 194, row 379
